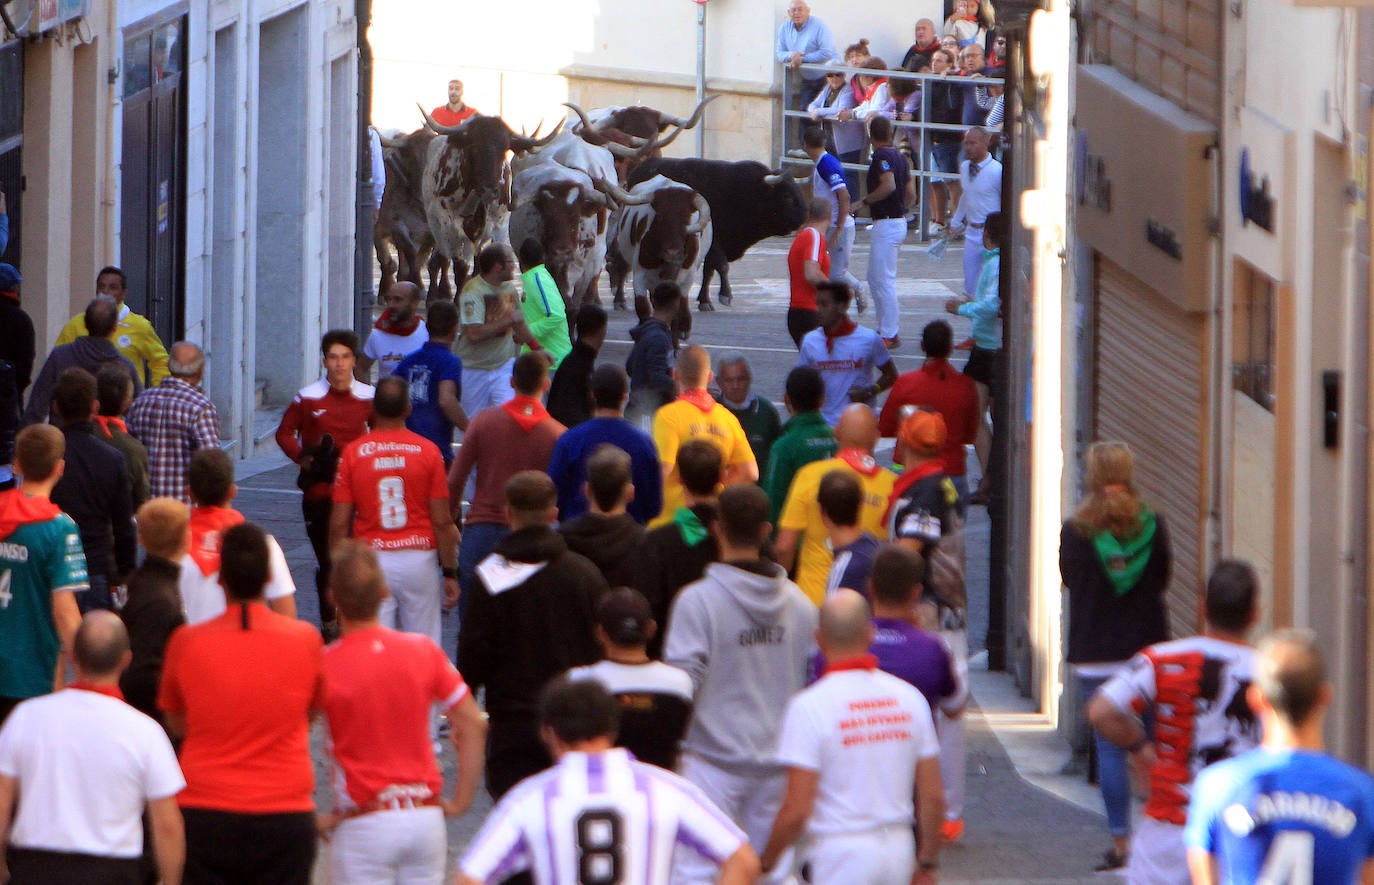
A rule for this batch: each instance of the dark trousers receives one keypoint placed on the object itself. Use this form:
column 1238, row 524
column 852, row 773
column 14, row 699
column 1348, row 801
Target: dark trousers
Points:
column 801, row 320
column 29, row 866
column 514, row 752
column 316, row 515
column 223, row 848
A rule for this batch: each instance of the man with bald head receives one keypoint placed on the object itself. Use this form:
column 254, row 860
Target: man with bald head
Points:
column 801, row 524
column 81, row 801
column 398, row 332
column 850, row 778
column 917, row 58
column 802, row 39
column 93, row 351
column 173, row 420
column 696, row 415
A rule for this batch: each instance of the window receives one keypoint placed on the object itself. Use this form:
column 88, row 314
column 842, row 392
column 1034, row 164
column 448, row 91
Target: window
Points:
column 152, row 57
column 1252, row 346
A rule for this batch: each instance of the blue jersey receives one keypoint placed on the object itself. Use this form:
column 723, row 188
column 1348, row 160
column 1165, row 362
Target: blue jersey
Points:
column 423, row 370
column 1291, row 816
column 826, row 181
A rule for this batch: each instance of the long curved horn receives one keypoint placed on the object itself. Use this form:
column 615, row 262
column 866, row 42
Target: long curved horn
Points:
column 620, row 195
column 671, row 138
column 442, row 130
column 692, row 120
column 703, row 214
column 774, row 178
column 592, row 196
column 627, row 153
column 523, row 143
column 581, row 114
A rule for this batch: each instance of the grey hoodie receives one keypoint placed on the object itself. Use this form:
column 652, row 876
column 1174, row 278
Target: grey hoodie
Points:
column 745, row 639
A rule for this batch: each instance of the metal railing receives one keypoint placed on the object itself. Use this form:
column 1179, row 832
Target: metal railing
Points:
column 922, row 129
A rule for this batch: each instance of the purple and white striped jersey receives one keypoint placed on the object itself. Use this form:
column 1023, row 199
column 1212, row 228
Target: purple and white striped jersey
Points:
column 597, row 819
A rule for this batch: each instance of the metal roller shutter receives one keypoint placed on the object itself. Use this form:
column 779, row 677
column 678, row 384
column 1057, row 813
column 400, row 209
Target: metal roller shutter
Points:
column 1149, row 387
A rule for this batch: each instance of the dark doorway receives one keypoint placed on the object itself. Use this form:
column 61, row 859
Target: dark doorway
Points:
column 12, row 143
column 153, row 180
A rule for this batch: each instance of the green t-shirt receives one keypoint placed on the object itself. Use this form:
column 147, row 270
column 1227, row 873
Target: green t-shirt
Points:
column 804, row 439
column 37, row 560
column 761, row 426
column 545, row 313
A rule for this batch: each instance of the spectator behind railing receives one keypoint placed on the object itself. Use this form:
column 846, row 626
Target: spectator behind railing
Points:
column 849, row 135
column 990, row 97
column 996, row 47
column 971, row 67
column 944, row 105
column 964, row 24
column 904, row 105
column 875, row 92
column 917, row 57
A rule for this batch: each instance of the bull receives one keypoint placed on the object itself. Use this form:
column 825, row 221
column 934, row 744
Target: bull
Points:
column 401, row 220
column 748, row 201
column 664, row 232
column 638, row 121
column 562, row 209
column 466, row 186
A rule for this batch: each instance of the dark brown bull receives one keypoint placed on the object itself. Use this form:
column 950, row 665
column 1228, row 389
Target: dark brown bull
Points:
column 401, row 220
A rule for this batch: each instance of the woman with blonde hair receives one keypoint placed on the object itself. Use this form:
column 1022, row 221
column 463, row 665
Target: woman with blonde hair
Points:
column 1114, row 560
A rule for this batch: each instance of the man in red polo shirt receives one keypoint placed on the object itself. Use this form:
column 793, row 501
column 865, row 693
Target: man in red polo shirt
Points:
column 392, row 492
column 808, row 263
column 388, row 818
column 455, row 111
column 239, row 689
column 940, row 387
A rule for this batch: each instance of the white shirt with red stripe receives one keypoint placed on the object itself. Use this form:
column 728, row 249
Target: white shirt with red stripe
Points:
column 379, row 685
column 863, row 731
column 390, row 476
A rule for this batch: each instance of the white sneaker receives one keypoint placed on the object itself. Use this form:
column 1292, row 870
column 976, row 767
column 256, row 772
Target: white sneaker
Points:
column 861, row 299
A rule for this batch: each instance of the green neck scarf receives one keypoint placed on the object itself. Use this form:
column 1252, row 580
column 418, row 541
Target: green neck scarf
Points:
column 1125, row 560
column 693, row 532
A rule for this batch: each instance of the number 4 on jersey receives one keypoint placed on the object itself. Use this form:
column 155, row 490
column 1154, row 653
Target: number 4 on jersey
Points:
column 1289, row 861
column 5, row 593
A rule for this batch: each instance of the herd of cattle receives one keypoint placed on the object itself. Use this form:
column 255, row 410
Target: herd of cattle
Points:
column 595, row 192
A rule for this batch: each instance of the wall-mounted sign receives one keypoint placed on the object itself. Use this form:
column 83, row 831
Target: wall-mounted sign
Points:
column 52, row 13
column 1163, row 238
column 1256, row 204
column 1094, row 187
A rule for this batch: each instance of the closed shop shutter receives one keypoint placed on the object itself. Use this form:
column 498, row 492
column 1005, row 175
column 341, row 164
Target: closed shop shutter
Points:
column 1149, row 388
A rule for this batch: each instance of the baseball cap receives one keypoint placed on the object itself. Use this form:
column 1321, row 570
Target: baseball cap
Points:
column 9, row 278
column 625, row 616
column 923, row 432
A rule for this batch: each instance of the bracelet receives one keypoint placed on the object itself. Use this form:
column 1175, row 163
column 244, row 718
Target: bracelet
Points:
column 449, row 571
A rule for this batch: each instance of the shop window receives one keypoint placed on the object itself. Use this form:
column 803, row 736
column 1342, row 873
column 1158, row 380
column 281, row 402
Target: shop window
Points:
column 1252, row 346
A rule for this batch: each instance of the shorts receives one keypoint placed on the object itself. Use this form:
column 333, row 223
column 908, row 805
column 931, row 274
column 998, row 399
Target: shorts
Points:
column 946, row 156
column 32, row 865
column 800, row 320
column 982, row 365
column 222, row 846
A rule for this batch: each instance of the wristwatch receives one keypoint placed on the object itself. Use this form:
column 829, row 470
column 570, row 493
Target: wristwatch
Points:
column 449, row 571
column 927, row 865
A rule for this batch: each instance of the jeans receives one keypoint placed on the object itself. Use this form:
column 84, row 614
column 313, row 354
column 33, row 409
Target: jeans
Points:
column 98, row 597
column 1113, row 778
column 479, row 539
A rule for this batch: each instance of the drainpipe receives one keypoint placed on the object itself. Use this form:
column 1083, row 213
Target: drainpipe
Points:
column 363, row 297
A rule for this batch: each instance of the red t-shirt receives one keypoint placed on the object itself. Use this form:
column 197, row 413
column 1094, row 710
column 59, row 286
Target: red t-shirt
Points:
column 808, row 246
column 444, row 117
column 390, row 476
column 937, row 385
column 319, row 409
column 379, row 685
column 246, row 682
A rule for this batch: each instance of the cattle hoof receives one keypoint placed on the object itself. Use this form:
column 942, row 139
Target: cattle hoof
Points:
column 619, row 304
column 705, row 306
column 725, row 298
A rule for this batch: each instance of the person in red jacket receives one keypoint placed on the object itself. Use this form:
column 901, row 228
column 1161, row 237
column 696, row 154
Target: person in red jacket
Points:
column 323, row 418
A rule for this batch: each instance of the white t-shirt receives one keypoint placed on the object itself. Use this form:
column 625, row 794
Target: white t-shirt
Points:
column 388, row 348
column 202, row 598
column 864, row 731
column 86, row 764
column 851, row 361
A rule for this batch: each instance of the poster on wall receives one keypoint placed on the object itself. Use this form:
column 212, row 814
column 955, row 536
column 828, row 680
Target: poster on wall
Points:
column 52, row 13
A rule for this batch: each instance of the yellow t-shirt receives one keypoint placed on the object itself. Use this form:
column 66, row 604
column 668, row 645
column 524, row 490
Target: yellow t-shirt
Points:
column 677, row 423
column 803, row 512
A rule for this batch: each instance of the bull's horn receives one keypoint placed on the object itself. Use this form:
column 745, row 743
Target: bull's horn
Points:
column 442, row 130
column 581, row 114
column 670, row 139
column 599, row 199
column 525, row 143
column 703, row 214
column 801, row 173
column 692, row 120
column 620, row 195
column 774, row 178
column 646, row 147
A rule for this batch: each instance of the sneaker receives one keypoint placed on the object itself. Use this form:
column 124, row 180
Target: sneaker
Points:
column 892, row 343
column 1112, row 860
column 951, row 831
column 860, row 299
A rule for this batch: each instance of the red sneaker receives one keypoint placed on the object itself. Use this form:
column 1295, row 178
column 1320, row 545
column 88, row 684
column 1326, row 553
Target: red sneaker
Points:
column 951, row 831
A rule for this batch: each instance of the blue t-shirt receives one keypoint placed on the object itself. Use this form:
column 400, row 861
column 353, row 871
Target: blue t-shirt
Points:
column 568, row 466
column 423, row 370
column 1292, row 815
column 829, row 178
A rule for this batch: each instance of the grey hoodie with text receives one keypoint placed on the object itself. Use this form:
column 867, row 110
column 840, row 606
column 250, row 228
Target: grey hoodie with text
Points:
column 745, row 639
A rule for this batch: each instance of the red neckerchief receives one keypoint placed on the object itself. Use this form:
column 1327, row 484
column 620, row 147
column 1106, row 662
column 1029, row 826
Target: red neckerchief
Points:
column 384, row 324
column 858, row 662
column 526, row 410
column 856, row 89
column 928, row 48
column 845, row 328
column 207, row 525
column 868, row 93
column 910, row 477
column 17, row 508
column 860, row 461
column 699, row 398
column 13, row 296
column 109, row 691
column 110, row 423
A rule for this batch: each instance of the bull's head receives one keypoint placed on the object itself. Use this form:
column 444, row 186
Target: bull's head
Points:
column 477, row 147
column 562, row 206
column 670, row 239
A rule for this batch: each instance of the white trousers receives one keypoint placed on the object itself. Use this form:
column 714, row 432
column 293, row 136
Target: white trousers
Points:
column 483, row 388
column 841, row 252
column 1158, row 856
column 886, row 239
column 885, row 856
column 417, row 591
column 752, row 802
column 953, row 751
column 973, row 259
column 404, row 847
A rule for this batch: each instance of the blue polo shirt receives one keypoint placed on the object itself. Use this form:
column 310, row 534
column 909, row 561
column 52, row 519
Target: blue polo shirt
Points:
column 423, row 370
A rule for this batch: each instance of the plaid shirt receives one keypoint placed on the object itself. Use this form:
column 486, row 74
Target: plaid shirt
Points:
column 173, row 420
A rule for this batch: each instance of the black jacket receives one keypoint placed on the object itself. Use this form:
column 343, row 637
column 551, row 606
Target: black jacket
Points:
column 96, row 492
column 1104, row 627
column 16, row 369
column 151, row 614
column 650, row 366
column 528, row 622
column 570, row 394
column 608, row 541
column 665, row 564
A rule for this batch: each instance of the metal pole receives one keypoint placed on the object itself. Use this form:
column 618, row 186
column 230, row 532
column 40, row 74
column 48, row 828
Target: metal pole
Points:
column 701, row 74
column 363, row 297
